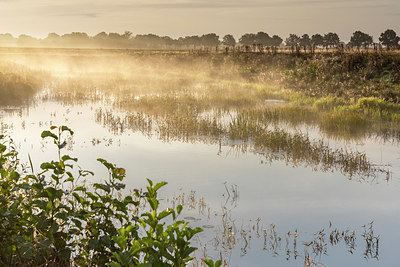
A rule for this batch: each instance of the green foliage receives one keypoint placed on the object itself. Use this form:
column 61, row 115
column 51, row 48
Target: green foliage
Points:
column 211, row 263
column 329, row 103
column 374, row 104
column 51, row 218
column 344, row 122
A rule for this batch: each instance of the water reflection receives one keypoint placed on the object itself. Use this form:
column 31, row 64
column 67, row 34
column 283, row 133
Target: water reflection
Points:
column 242, row 135
column 226, row 236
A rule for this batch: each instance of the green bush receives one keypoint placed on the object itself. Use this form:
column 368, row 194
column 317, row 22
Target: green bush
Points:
column 50, row 218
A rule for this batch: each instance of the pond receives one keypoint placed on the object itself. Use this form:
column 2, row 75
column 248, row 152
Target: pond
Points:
column 320, row 200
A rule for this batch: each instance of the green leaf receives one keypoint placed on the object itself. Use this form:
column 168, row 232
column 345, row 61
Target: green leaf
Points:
column 164, row 214
column 210, row 263
column 153, row 203
column 179, row 209
column 80, row 188
column 14, row 176
column 47, row 165
column 159, row 185
column 106, row 163
column 103, row 187
column 114, row 264
column 49, row 134
column 61, row 146
column 65, row 128
column 218, row 263
column 66, row 157
column 78, row 197
column 121, row 241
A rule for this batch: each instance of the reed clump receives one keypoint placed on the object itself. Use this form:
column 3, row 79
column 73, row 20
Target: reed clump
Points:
column 18, row 84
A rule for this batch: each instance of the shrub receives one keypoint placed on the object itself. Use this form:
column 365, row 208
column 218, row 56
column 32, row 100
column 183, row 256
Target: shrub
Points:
column 51, row 218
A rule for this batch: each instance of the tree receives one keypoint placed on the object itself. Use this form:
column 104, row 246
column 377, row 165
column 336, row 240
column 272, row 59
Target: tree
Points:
column 292, row 40
column 190, row 41
column 102, row 36
column 27, row 40
column 248, row 39
column 331, row 39
column 389, row 39
column 52, row 39
column 305, row 41
column 210, row 39
column 276, row 40
column 75, row 39
column 361, row 39
column 228, row 40
column 7, row 39
column 317, row 40
column 127, row 35
column 262, row 38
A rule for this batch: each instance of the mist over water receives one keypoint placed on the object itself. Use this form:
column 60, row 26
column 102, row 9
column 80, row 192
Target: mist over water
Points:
column 268, row 190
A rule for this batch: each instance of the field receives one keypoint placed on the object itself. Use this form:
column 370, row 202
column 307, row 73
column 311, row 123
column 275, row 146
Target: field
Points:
column 280, row 158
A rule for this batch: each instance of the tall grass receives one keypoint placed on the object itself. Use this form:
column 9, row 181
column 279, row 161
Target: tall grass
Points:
column 17, row 84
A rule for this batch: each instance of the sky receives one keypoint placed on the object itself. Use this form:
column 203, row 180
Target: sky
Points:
column 195, row 17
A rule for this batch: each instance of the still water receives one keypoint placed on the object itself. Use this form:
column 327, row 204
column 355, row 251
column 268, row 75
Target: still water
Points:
column 254, row 212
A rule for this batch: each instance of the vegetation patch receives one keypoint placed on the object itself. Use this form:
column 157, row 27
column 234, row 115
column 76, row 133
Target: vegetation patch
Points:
column 51, row 218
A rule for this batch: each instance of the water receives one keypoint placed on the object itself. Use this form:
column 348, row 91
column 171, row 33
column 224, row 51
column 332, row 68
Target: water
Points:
column 176, row 118
column 223, row 179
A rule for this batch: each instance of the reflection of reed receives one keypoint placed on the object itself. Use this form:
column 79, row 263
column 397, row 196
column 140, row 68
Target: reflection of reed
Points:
column 228, row 237
column 244, row 135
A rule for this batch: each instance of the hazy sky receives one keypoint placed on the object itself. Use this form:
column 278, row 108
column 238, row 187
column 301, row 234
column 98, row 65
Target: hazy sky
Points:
column 192, row 17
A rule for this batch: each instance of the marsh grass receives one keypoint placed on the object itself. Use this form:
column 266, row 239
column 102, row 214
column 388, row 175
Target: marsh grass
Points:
column 272, row 143
column 18, row 84
column 184, row 97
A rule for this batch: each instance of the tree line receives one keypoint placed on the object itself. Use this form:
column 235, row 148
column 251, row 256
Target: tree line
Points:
column 248, row 41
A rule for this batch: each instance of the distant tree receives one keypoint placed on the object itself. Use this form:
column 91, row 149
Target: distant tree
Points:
column 262, row 38
column 210, row 39
column 115, row 36
column 147, row 41
column 276, row 40
column 52, row 39
column 292, row 40
column 228, row 40
column 167, row 41
column 26, row 40
column 127, row 35
column 76, row 39
column 7, row 39
column 361, row 39
column 116, row 39
column 53, row 36
column 331, row 39
column 192, row 41
column 389, row 39
column 102, row 36
column 317, row 40
column 248, row 39
column 305, row 41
